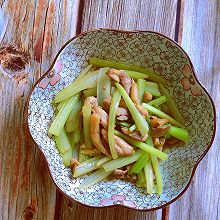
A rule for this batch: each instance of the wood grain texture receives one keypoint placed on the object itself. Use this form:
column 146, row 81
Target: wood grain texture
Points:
column 201, row 40
column 131, row 15
column 34, row 30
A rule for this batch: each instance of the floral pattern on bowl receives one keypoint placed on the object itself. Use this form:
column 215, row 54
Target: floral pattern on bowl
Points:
column 147, row 49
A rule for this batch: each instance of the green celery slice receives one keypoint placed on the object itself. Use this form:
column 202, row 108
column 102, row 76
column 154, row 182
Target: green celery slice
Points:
column 179, row 133
column 66, row 156
column 124, row 66
column 158, row 101
column 152, row 88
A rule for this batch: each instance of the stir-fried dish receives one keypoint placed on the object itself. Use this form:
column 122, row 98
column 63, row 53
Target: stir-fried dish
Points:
column 119, row 118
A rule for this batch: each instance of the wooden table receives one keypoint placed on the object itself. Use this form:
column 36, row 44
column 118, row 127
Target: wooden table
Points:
column 33, row 32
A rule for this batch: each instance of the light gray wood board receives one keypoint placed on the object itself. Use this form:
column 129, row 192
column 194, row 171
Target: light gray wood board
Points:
column 201, row 40
column 39, row 28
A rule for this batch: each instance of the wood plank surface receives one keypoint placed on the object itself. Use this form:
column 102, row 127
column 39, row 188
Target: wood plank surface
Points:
column 201, row 40
column 32, row 34
column 146, row 15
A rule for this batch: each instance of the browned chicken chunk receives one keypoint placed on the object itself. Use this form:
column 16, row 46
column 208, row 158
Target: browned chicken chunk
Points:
column 122, row 114
column 155, row 121
column 159, row 142
column 114, row 74
column 102, row 114
column 147, row 97
column 134, row 93
column 73, row 163
column 142, row 110
column 92, row 101
column 134, row 134
column 107, row 103
column 160, row 130
column 122, row 148
column 120, row 174
column 95, row 133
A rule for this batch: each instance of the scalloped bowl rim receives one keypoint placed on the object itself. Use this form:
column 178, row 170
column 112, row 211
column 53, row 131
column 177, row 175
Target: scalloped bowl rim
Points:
column 194, row 73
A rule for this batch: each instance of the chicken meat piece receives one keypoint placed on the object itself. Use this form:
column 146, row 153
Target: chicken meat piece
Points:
column 156, row 122
column 73, row 163
column 159, row 142
column 120, row 174
column 160, row 130
column 132, row 177
column 92, row 101
column 142, row 110
column 122, row 77
column 172, row 141
column 147, row 97
column 107, row 103
column 114, row 74
column 125, row 81
column 102, row 114
column 122, row 148
column 134, row 93
column 122, row 104
column 122, row 114
column 95, row 133
column 134, row 134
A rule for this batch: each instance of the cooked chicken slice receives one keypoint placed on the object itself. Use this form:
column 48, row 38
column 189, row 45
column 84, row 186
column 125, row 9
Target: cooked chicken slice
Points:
column 122, row 148
column 147, row 97
column 172, row 141
column 134, row 93
column 92, row 101
column 155, row 121
column 107, row 103
column 125, row 81
column 114, row 74
column 120, row 174
column 159, row 142
column 122, row 114
column 102, row 114
column 95, row 133
column 73, row 163
column 122, row 104
column 160, row 130
column 91, row 152
column 134, row 134
column 142, row 110
column 132, row 177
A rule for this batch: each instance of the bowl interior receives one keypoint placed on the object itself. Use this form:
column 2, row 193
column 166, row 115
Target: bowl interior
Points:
column 146, row 49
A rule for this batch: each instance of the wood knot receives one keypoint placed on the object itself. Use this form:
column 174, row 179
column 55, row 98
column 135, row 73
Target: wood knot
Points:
column 13, row 60
column 30, row 211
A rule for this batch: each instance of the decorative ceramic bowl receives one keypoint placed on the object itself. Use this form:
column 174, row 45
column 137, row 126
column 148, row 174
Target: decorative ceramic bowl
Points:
column 142, row 48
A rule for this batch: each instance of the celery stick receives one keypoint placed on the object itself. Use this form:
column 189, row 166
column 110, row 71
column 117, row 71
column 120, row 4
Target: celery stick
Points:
column 94, row 178
column 136, row 75
column 158, row 101
column 141, row 182
column 88, row 81
column 148, row 170
column 141, row 88
column 140, row 163
column 103, row 85
column 171, row 104
column 86, row 112
column 90, row 92
column 122, row 161
column 149, row 149
column 73, row 120
column 132, row 128
column 103, row 160
column 124, row 66
column 161, row 114
column 179, row 133
column 83, row 72
column 59, row 121
column 152, row 88
column 66, row 156
column 75, row 137
column 156, row 168
column 62, row 142
column 111, row 122
column 86, row 166
column 123, row 123
column 140, row 122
